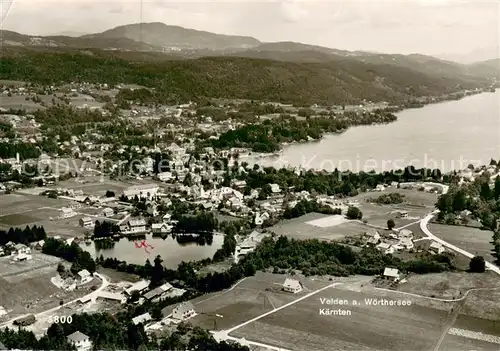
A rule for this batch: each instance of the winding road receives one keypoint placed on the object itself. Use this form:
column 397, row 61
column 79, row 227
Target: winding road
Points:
column 423, row 226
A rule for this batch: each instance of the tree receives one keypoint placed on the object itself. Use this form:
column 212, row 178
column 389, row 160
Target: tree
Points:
column 497, row 188
column 486, row 192
column 459, row 201
column 390, row 224
column 354, row 213
column 61, row 269
column 156, row 313
column 477, row 265
column 110, row 193
column 158, row 272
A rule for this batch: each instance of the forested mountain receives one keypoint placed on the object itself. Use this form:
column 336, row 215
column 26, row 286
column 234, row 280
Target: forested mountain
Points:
column 8, row 38
column 341, row 80
column 165, row 36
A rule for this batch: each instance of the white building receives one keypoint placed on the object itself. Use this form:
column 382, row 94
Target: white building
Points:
column 139, row 286
column 107, row 212
column 137, row 225
column 22, row 257
column 158, row 292
column 391, row 274
column 80, row 341
column 145, row 191
column 260, row 218
column 86, row 222
column 275, row 188
column 21, row 249
column 436, row 248
column 85, row 276
column 292, row 285
column 183, row 311
column 165, row 176
column 385, row 248
column 161, row 228
column 112, row 296
column 402, row 214
column 67, row 212
column 143, row 318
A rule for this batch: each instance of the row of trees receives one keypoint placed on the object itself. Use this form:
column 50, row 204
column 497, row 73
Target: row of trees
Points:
column 303, row 207
column 105, row 229
column 22, row 236
column 388, row 199
column 25, row 150
column 72, row 253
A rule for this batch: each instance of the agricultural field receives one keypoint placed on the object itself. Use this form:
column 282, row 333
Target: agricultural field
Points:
column 19, row 210
column 302, row 327
column 411, row 197
column 424, row 325
column 246, row 300
column 301, row 228
column 25, row 287
column 476, row 241
column 448, row 285
column 98, row 185
column 417, row 203
column 17, row 102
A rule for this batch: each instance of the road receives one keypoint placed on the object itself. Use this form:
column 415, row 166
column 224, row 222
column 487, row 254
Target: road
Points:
column 423, row 227
column 93, row 294
column 224, row 334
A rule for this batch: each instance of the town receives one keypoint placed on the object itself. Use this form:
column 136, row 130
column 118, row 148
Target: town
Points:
column 65, row 211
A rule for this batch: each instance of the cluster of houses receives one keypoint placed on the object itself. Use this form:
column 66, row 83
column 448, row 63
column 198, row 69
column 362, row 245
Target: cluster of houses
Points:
column 397, row 241
column 16, row 252
column 119, row 294
column 248, row 244
column 70, row 283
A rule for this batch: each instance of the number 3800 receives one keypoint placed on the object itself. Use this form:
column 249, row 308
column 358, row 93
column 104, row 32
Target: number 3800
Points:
column 60, row 319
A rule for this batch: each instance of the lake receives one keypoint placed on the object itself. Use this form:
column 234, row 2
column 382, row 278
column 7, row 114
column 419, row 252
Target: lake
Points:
column 170, row 251
column 448, row 135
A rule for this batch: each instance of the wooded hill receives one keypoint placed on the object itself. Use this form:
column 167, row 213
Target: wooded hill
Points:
column 340, row 80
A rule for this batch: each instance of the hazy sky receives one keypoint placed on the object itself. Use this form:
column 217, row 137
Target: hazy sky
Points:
column 404, row 26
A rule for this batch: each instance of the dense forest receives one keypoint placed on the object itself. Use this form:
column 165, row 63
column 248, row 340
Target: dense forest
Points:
column 338, row 81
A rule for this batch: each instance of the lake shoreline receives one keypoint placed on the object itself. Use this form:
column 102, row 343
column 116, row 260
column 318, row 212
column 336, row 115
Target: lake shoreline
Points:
column 359, row 145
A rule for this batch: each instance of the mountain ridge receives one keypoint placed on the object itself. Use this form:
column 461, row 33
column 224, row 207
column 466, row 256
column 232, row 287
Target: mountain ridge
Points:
column 162, row 35
column 159, row 42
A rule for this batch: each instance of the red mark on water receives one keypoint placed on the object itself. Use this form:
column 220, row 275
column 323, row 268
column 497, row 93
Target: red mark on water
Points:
column 144, row 245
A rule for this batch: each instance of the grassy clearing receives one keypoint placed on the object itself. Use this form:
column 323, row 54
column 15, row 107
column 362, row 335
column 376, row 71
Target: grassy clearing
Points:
column 474, row 240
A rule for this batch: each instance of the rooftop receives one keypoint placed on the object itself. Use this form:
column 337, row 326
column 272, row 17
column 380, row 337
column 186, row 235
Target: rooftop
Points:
column 77, row 336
